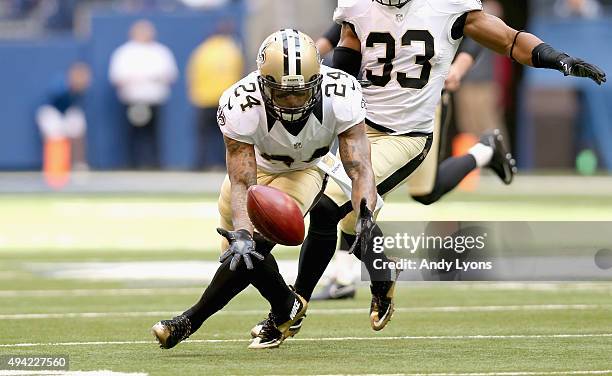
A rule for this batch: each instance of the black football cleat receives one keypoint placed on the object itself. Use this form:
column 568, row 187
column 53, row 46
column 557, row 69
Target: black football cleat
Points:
column 336, row 291
column 382, row 306
column 275, row 329
column 268, row 336
column 170, row 332
column 293, row 329
column 502, row 162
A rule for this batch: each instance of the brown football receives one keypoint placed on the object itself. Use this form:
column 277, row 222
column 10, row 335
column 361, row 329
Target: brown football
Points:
column 275, row 215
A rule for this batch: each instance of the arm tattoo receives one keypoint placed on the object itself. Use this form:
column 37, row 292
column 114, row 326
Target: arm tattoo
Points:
column 242, row 171
column 355, row 156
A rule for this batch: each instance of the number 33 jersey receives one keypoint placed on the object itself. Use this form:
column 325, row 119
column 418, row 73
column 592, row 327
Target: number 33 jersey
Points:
column 406, row 54
column 279, row 147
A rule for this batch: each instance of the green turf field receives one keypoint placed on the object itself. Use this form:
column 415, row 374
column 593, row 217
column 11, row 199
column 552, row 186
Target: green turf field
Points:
column 438, row 329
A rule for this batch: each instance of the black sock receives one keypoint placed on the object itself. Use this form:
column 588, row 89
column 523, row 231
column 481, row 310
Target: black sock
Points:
column 371, row 259
column 318, row 247
column 450, row 173
column 271, row 285
column 225, row 285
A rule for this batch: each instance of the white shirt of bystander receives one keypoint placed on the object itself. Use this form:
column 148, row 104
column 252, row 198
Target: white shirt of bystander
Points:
column 143, row 72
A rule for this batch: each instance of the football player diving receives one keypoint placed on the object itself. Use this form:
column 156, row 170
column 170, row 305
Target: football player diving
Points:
column 405, row 48
column 277, row 123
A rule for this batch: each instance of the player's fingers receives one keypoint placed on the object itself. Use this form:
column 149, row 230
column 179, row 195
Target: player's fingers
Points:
column 257, row 255
column 355, row 244
column 597, row 74
column 247, row 261
column 234, row 263
column 591, row 71
column 225, row 255
column 223, row 232
column 594, row 68
column 365, row 240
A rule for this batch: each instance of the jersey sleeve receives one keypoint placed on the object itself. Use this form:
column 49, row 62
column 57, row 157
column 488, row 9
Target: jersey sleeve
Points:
column 350, row 109
column 235, row 124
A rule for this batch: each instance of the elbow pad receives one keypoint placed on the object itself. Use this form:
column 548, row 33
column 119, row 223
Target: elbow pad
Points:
column 348, row 60
column 545, row 56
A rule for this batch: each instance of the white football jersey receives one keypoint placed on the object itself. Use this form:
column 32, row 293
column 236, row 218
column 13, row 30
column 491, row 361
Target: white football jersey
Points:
column 243, row 117
column 407, row 53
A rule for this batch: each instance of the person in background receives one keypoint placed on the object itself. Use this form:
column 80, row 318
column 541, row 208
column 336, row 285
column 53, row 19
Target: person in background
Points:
column 62, row 116
column 205, row 4
column 479, row 100
column 143, row 70
column 329, row 40
column 577, row 8
column 214, row 66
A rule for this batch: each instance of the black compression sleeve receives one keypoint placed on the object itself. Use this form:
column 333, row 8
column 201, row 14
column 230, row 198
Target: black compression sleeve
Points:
column 348, row 60
column 470, row 47
column 545, row 56
column 333, row 34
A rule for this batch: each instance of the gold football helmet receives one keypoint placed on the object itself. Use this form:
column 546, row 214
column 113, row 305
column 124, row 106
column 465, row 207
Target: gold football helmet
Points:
column 393, row 3
column 289, row 75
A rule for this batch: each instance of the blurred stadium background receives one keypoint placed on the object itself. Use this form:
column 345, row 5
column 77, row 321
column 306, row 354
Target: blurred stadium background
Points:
column 89, row 264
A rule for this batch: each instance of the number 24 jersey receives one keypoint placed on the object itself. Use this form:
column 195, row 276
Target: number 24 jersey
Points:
column 242, row 116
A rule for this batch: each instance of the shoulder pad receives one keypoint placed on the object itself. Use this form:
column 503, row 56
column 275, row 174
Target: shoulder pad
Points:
column 455, row 6
column 349, row 109
column 348, row 10
column 233, row 121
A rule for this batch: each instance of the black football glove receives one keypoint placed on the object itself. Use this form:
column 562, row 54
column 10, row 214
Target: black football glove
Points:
column 241, row 246
column 572, row 66
column 364, row 229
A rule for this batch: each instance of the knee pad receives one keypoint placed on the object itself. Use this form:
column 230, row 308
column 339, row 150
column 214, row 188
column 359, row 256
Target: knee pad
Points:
column 324, row 218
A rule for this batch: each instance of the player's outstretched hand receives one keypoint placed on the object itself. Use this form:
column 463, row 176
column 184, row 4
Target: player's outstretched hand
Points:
column 241, row 247
column 364, row 229
column 579, row 68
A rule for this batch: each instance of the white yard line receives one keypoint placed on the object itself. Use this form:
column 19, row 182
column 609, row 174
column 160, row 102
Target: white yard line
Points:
column 509, row 373
column 69, row 373
column 100, row 292
column 323, row 339
column 321, row 311
column 504, row 286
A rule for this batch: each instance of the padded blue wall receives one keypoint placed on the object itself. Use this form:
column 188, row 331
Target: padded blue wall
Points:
column 589, row 40
column 26, row 68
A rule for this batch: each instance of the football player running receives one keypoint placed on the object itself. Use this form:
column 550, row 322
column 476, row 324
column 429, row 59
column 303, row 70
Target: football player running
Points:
column 405, row 48
column 277, row 123
column 432, row 180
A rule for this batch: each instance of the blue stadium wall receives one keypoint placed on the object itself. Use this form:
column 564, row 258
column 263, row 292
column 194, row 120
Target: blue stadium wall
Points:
column 27, row 68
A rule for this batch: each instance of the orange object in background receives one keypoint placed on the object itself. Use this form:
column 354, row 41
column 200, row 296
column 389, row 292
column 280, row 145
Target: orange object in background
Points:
column 57, row 162
column 461, row 145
